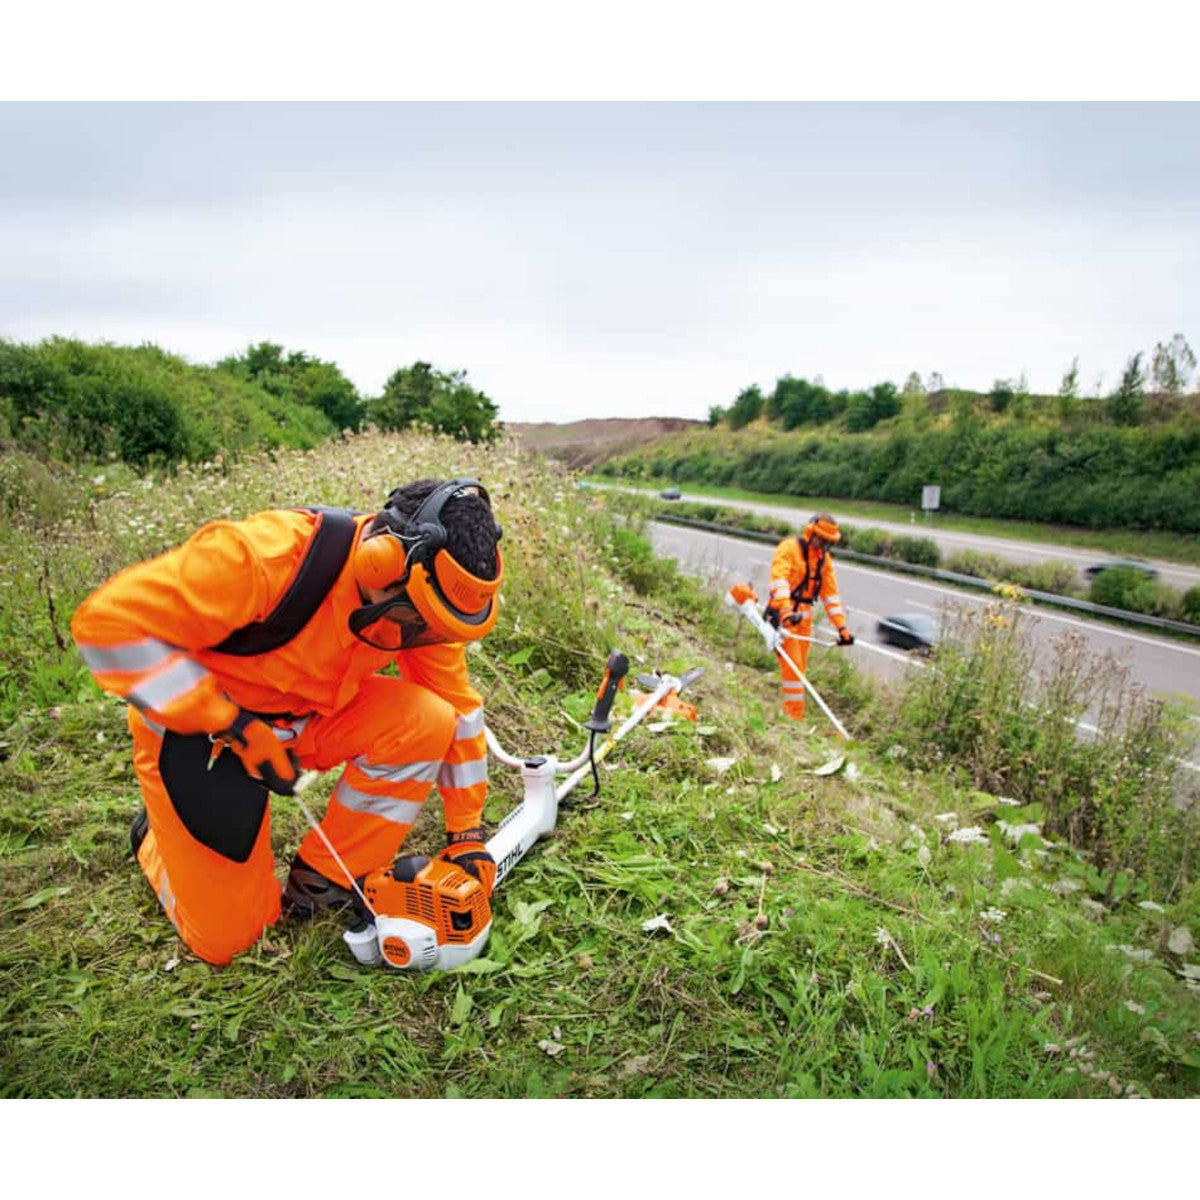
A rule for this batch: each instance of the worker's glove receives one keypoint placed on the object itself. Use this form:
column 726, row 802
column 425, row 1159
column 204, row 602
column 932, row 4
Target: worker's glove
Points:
column 845, row 637
column 468, row 852
column 771, row 616
column 261, row 752
column 794, row 618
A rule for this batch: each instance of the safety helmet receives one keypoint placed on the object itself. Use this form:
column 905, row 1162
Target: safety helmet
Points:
column 438, row 599
column 822, row 525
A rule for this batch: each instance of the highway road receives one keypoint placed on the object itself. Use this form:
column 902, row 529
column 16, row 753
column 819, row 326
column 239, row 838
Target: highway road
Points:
column 1174, row 574
column 1164, row 666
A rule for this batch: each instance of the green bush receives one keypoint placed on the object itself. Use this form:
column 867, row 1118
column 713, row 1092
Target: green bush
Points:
column 73, row 402
column 1191, row 605
column 1053, row 576
column 1128, row 588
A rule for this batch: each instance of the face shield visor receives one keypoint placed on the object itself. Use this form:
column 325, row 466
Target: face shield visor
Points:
column 447, row 604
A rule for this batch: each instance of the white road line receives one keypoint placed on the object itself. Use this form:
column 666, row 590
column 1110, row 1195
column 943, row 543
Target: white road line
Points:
column 1039, row 611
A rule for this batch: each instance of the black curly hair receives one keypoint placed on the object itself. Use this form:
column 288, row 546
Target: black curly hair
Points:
column 470, row 527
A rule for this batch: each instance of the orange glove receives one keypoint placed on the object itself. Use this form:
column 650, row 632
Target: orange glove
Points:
column 468, row 852
column 261, row 752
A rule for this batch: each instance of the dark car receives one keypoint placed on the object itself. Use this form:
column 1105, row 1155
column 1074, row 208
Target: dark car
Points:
column 669, row 493
column 909, row 631
column 1133, row 564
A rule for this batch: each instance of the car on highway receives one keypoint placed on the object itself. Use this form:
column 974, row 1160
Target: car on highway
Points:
column 909, row 631
column 671, row 493
column 1133, row 564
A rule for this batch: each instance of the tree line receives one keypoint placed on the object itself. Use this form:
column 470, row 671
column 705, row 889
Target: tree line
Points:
column 1151, row 389
column 68, row 400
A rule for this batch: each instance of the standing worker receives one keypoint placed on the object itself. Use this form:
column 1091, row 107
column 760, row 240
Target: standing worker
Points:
column 254, row 650
column 802, row 571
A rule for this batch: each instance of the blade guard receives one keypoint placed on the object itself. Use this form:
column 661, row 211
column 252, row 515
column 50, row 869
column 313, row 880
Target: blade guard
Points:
column 428, row 916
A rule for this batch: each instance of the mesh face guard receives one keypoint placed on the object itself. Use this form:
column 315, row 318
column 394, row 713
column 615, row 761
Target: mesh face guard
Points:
column 449, row 605
column 824, row 528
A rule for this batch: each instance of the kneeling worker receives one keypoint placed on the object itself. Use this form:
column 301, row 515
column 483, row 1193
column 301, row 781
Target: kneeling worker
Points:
column 802, row 571
column 253, row 650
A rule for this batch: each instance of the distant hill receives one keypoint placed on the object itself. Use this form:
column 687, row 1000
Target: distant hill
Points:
column 583, row 444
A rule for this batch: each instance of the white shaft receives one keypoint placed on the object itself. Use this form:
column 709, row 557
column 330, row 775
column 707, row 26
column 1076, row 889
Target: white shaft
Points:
column 815, row 694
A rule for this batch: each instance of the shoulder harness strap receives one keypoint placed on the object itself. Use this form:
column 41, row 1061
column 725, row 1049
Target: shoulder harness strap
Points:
column 806, row 591
column 328, row 549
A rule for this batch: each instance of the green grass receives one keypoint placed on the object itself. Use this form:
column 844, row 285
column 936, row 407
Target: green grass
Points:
column 1171, row 547
column 826, row 936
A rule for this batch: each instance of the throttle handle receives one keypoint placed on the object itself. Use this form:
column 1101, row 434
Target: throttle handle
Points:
column 615, row 671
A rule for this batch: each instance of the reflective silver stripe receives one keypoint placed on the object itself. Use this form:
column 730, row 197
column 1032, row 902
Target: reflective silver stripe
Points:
column 833, row 599
column 422, row 772
column 161, row 690
column 464, row 774
column 791, row 687
column 401, row 812
column 153, row 726
column 469, row 725
column 128, row 656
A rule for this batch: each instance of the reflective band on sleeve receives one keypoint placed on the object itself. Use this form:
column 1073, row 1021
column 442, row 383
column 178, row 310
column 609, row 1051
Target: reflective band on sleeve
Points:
column 469, row 725
column 464, row 774
column 400, row 812
column 161, row 690
column 422, row 772
column 128, row 656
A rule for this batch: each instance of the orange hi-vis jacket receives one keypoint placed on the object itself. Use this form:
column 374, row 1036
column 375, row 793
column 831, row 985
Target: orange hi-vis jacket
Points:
column 147, row 636
column 800, row 574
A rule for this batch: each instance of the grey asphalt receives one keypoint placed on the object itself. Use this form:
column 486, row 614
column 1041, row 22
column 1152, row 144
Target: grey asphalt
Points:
column 1174, row 574
column 1166, row 667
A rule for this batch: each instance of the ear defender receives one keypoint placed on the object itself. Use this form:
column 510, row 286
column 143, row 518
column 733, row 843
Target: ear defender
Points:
column 380, row 560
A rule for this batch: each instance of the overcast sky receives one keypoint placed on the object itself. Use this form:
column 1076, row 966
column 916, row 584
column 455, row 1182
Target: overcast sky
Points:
column 594, row 260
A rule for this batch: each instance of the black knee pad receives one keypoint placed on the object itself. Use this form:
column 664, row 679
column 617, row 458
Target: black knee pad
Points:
column 222, row 809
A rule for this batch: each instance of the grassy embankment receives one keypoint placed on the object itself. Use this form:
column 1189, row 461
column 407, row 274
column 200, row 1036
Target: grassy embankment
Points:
column 905, row 931
column 1158, row 543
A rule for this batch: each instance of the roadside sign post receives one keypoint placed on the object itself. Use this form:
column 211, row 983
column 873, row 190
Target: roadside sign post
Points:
column 931, row 499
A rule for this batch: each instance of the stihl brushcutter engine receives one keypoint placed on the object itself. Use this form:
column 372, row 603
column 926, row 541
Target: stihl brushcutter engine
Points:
column 428, row 914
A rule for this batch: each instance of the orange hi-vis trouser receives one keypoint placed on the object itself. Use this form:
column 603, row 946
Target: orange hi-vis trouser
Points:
column 791, row 685
column 392, row 738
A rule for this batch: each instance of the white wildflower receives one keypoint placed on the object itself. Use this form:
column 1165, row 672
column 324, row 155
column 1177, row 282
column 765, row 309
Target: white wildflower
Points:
column 720, row 765
column 1008, row 801
column 946, row 818
column 1015, row 833
column 1134, row 1007
column 970, row 834
column 923, row 856
column 992, row 913
column 657, row 923
column 1150, row 906
column 776, row 773
column 882, row 936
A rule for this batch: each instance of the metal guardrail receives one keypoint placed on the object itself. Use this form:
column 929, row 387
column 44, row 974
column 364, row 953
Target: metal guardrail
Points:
column 972, row 581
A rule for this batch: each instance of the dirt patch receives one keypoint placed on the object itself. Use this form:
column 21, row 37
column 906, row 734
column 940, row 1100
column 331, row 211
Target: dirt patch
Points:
column 584, row 444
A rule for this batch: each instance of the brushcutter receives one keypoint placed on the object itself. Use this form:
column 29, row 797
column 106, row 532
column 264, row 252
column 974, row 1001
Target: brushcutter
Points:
column 742, row 597
column 422, row 914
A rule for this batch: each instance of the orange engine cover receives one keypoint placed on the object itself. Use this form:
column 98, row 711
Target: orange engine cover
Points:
column 435, row 893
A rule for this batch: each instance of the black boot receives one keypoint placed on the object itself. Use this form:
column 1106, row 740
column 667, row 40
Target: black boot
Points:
column 138, row 831
column 307, row 892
